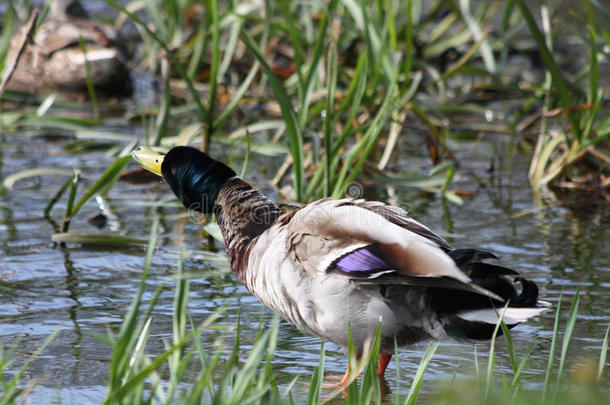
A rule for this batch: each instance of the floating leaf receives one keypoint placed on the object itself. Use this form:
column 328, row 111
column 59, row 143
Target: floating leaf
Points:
column 97, row 239
column 10, row 181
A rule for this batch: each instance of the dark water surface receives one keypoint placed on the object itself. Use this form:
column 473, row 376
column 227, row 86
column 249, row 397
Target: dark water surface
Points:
column 563, row 248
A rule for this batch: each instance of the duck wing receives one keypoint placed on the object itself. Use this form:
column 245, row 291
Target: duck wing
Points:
column 372, row 244
column 400, row 217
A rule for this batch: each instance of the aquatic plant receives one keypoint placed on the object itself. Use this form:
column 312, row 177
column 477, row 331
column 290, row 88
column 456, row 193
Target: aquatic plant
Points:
column 575, row 155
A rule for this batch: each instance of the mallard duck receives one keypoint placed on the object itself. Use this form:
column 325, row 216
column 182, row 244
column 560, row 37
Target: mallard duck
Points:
column 338, row 265
column 55, row 58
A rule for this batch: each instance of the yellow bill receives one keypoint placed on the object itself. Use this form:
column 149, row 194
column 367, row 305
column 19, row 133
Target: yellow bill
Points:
column 148, row 159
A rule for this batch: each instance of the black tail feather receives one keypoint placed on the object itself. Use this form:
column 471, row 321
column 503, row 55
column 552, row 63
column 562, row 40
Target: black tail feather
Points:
column 448, row 304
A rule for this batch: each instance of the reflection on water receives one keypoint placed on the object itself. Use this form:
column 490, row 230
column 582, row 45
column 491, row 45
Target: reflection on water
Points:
column 86, row 291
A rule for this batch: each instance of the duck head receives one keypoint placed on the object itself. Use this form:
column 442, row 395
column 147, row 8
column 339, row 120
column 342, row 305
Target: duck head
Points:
column 193, row 176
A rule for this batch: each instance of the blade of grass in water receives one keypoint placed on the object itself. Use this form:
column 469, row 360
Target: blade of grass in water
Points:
column 126, row 336
column 70, row 204
column 602, row 356
column 549, row 366
column 247, row 374
column 492, row 348
column 517, row 376
column 370, row 390
column 56, row 197
column 317, row 378
column 510, row 347
column 567, row 336
column 419, row 374
column 179, row 323
column 105, row 182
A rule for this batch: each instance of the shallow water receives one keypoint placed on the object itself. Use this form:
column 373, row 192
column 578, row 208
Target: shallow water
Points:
column 563, row 247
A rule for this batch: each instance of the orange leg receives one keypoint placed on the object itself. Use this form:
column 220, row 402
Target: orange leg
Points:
column 345, row 378
column 341, row 383
column 382, row 363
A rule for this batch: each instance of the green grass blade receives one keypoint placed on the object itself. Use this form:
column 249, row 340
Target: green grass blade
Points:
column 247, row 374
column 549, row 366
column 492, row 349
column 126, row 337
column 8, row 28
column 142, row 375
column 286, row 7
column 602, row 356
column 70, row 204
column 175, row 61
column 317, row 379
column 199, row 48
column 105, row 182
column 370, row 390
column 593, row 61
column 419, row 374
column 313, row 68
column 567, row 336
column 330, row 106
column 237, row 96
column 517, row 376
column 162, row 118
column 89, row 79
column 244, row 167
column 292, row 128
column 565, row 98
column 510, row 347
column 365, row 146
column 479, row 35
column 56, row 197
column 212, row 14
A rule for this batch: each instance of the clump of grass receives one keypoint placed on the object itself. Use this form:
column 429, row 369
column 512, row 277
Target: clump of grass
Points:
column 346, row 77
column 186, row 372
column 364, row 96
column 576, row 156
column 511, row 390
